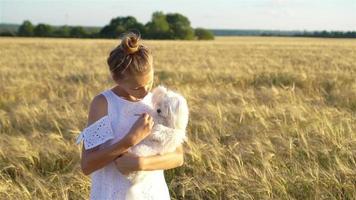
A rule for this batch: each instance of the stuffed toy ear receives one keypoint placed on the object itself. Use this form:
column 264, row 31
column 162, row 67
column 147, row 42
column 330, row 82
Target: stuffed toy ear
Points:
column 157, row 93
column 181, row 113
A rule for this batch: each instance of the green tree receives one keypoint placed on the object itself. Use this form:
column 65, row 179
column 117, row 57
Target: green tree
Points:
column 78, row 32
column 158, row 27
column 63, row 31
column 203, row 34
column 179, row 26
column 26, row 29
column 120, row 25
column 43, row 30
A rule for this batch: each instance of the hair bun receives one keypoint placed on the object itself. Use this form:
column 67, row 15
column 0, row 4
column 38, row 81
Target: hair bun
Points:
column 130, row 42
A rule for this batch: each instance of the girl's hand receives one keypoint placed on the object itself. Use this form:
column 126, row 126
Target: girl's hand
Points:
column 140, row 129
column 127, row 163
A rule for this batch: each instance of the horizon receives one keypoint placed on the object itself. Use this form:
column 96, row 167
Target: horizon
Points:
column 277, row 15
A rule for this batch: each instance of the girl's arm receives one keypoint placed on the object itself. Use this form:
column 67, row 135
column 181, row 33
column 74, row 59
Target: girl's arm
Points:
column 165, row 161
column 96, row 158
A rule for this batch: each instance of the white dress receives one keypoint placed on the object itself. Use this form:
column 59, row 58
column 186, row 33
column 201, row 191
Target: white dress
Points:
column 108, row 183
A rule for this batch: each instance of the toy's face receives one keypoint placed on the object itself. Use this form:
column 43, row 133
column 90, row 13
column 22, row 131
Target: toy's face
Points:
column 163, row 108
column 165, row 111
column 171, row 108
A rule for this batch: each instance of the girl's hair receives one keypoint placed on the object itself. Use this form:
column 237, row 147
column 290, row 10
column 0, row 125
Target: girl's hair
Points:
column 130, row 56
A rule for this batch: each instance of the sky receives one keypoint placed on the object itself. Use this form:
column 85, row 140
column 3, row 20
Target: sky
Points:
column 217, row 14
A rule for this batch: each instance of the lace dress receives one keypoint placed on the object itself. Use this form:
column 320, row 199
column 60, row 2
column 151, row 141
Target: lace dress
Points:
column 108, row 183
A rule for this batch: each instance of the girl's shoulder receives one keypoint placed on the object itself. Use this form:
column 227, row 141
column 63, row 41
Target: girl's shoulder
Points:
column 98, row 107
column 98, row 129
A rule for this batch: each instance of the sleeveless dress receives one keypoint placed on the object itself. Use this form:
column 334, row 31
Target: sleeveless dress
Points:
column 108, row 183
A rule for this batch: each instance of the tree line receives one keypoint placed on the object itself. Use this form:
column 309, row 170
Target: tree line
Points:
column 328, row 34
column 318, row 34
column 162, row 26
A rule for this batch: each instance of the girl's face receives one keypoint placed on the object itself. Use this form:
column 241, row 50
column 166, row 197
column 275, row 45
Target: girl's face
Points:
column 137, row 86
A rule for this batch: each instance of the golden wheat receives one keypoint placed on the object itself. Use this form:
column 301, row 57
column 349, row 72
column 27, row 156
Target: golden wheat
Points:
column 271, row 118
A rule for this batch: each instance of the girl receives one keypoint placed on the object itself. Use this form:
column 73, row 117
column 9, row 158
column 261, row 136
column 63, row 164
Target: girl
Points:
column 113, row 127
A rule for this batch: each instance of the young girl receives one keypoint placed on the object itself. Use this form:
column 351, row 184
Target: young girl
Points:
column 113, row 127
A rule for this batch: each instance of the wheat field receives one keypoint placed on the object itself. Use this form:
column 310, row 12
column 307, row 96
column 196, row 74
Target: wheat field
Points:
column 271, row 118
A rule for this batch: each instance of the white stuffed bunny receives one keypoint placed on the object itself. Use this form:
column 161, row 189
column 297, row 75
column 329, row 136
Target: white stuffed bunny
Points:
column 170, row 114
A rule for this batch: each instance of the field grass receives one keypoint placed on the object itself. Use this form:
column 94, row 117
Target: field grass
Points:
column 271, row 118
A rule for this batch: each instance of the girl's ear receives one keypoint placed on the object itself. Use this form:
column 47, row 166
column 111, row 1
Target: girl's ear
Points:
column 158, row 93
column 113, row 76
